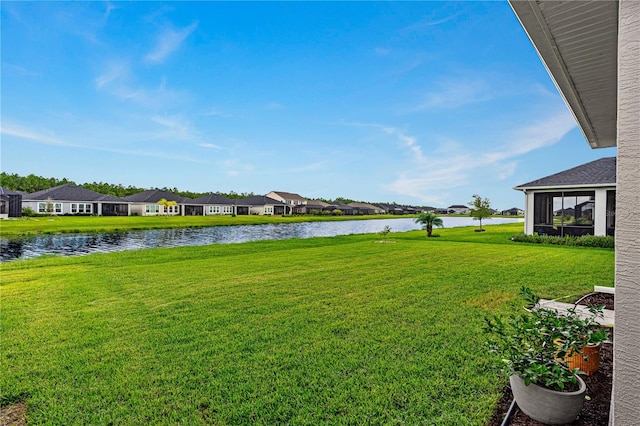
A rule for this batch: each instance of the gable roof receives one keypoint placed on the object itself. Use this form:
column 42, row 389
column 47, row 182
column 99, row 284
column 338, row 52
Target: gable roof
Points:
column 258, row 200
column 69, row 192
column 598, row 172
column 155, row 195
column 458, row 206
column 5, row 191
column 289, row 195
column 213, row 198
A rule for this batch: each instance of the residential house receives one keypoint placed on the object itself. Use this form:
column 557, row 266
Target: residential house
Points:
column 291, row 200
column 71, row 199
column 591, row 50
column 10, row 203
column 577, row 201
column 216, row 204
column 145, row 203
column 345, row 210
column 310, row 207
column 513, row 211
column 365, row 208
column 263, row 205
column 458, row 209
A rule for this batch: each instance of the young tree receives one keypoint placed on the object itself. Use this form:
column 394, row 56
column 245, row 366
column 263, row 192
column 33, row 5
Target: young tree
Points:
column 166, row 204
column 429, row 220
column 480, row 209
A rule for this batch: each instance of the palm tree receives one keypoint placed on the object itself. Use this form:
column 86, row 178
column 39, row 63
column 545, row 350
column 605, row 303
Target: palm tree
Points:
column 166, row 204
column 429, row 220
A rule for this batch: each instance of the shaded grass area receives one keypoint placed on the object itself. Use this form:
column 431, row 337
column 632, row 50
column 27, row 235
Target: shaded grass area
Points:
column 74, row 224
column 336, row 330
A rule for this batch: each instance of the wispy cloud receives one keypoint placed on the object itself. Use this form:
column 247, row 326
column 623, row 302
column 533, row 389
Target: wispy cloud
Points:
column 16, row 70
column 46, row 138
column 426, row 23
column 114, row 71
column 451, row 164
column 210, row 146
column 382, row 51
column 454, row 94
column 168, row 42
column 273, row 106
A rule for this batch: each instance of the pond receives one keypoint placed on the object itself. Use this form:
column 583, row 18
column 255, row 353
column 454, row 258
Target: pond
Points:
column 82, row 244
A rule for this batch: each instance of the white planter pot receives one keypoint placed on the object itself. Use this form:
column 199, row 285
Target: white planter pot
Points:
column 546, row 405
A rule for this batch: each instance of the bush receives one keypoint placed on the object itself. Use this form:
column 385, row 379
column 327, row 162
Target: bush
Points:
column 568, row 240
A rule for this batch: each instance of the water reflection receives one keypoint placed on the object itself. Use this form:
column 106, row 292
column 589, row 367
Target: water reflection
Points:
column 81, row 244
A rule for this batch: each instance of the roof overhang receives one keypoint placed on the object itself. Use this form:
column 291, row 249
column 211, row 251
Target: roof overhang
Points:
column 577, row 42
column 565, row 187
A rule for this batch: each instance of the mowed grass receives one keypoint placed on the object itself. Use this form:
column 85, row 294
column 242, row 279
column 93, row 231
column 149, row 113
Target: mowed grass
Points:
column 72, row 224
column 343, row 330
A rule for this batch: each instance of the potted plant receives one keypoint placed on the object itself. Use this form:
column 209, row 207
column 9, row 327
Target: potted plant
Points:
column 587, row 359
column 533, row 345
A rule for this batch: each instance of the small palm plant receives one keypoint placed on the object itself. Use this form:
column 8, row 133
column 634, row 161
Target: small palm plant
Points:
column 429, row 220
column 166, row 204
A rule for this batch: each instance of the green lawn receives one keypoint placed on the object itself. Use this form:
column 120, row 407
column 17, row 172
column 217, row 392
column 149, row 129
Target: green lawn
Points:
column 343, row 330
column 71, row 224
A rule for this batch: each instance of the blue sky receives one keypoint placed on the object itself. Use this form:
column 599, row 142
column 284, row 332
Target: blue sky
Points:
column 414, row 102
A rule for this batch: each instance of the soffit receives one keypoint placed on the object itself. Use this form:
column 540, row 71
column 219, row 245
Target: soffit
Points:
column 577, row 42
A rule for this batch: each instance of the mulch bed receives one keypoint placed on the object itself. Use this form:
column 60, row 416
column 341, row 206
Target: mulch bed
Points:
column 595, row 411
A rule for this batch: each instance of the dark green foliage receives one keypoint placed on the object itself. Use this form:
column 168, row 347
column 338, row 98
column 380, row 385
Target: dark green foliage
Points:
column 480, row 208
column 567, row 240
column 534, row 343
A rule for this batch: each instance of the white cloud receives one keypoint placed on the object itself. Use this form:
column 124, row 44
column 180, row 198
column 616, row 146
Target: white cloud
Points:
column 18, row 71
column 273, row 106
column 113, row 72
column 168, row 42
column 209, row 146
column 453, row 165
column 454, row 94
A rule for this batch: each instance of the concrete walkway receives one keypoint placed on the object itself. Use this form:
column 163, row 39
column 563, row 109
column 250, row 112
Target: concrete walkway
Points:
column 607, row 321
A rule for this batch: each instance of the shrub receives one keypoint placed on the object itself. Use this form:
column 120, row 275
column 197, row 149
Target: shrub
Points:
column 567, row 240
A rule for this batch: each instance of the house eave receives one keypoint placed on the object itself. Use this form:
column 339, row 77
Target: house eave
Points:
column 577, row 44
column 563, row 187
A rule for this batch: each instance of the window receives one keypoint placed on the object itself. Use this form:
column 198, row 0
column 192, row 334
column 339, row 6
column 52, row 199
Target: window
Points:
column 564, row 213
column 268, row 210
column 227, row 209
column 58, row 208
column 42, row 207
column 74, row 208
column 152, row 208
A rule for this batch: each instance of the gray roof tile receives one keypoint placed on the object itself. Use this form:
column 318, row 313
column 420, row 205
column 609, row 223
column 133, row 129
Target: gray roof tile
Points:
column 597, row 172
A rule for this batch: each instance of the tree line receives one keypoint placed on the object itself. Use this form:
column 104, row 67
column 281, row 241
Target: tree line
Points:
column 33, row 183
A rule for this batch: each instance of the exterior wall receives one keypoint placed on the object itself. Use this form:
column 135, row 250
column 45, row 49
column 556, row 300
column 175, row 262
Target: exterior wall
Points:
column 600, row 213
column 216, row 210
column 528, row 213
column 65, row 206
column 626, row 387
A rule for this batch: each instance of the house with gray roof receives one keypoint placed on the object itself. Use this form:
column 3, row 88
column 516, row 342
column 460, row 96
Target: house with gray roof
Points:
column 577, row 201
column 215, row 204
column 261, row 205
column 71, row 199
column 290, row 199
column 458, row 209
column 365, row 208
column 145, row 203
column 10, row 203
